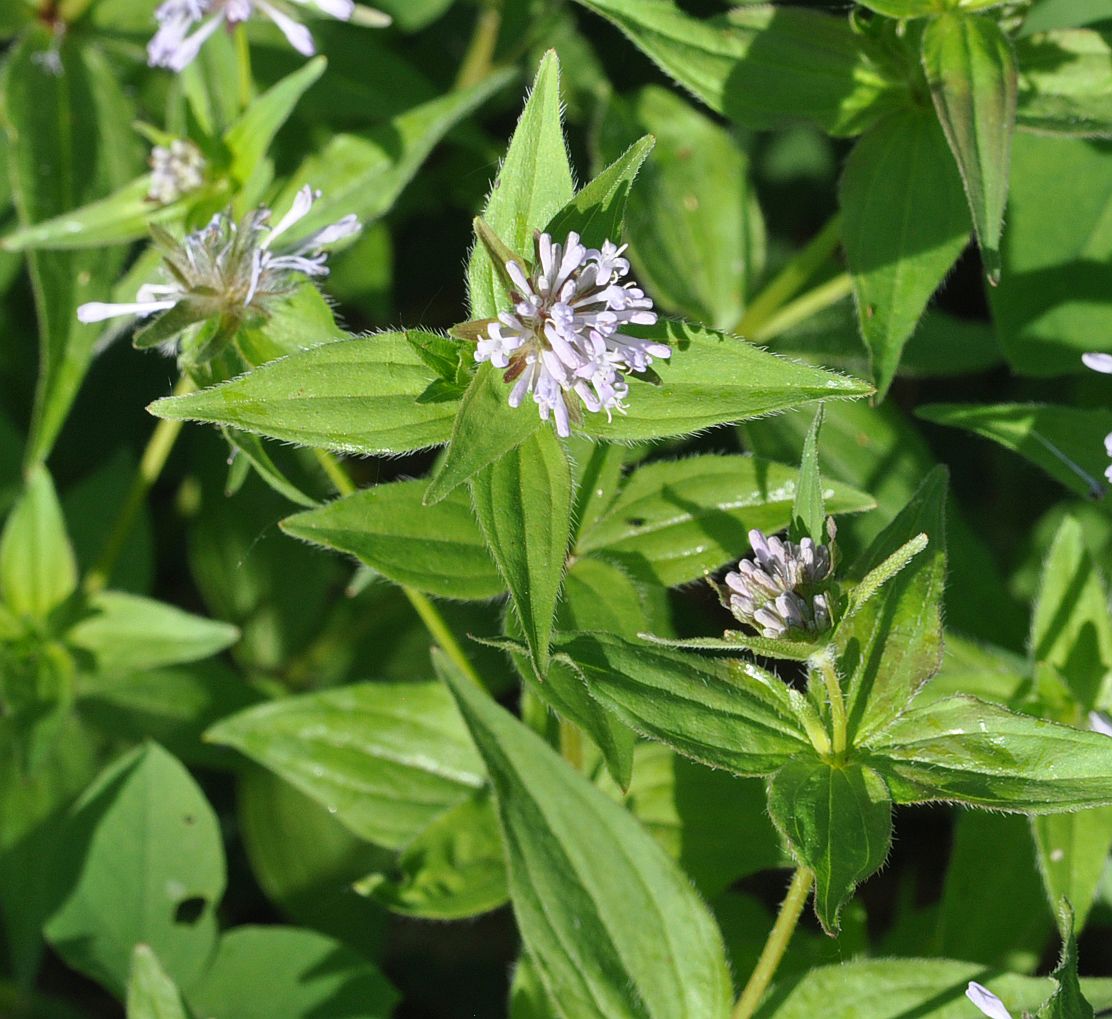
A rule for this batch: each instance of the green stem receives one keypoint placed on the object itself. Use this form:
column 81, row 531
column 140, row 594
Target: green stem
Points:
column 803, row 307
column 150, row 467
column 824, row 662
column 792, row 278
column 571, row 744
column 246, row 81
column 422, row 605
column 776, row 945
column 479, row 58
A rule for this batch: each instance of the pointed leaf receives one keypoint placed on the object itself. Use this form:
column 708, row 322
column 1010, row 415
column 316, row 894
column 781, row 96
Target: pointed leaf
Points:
column 971, row 70
column 351, row 396
column 838, row 823
column 905, row 223
column 574, row 916
column 1072, row 850
column 1067, row 1001
column 151, row 994
column 808, row 509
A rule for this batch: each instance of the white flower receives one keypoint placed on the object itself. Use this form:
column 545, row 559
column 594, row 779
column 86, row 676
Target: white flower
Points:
column 184, row 25
column 229, row 268
column 176, row 169
column 986, row 1001
column 1101, row 363
column 563, row 339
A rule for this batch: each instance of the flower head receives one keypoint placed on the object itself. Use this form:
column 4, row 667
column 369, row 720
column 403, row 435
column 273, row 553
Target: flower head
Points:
column 783, row 587
column 563, row 339
column 184, row 25
column 229, row 270
column 176, row 169
column 986, row 1001
column 1101, row 363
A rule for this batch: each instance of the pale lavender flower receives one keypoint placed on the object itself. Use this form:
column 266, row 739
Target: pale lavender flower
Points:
column 986, row 1001
column 1101, row 363
column 176, row 169
column 1100, row 722
column 229, row 268
column 775, row 591
column 184, row 25
column 564, row 338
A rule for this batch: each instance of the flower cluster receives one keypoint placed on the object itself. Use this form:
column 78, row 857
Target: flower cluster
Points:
column 1102, row 363
column 777, row 590
column 229, row 269
column 564, row 339
column 176, row 169
column 177, row 41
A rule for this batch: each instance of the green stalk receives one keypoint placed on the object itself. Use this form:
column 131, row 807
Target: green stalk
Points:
column 246, row 81
column 478, row 61
column 776, row 945
column 824, row 662
column 803, row 307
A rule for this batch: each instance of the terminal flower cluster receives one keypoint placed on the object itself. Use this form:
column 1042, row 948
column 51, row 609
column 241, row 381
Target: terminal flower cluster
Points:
column 176, row 169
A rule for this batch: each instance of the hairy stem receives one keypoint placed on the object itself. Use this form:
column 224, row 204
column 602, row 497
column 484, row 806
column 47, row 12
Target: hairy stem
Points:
column 150, row 467
column 422, row 605
column 776, row 945
column 824, row 662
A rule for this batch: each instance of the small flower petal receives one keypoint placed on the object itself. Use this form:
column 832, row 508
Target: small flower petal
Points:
column 1098, row 362
column 986, row 1001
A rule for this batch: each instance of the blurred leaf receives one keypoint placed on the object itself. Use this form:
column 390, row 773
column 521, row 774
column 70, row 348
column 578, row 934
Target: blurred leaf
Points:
column 838, row 822
column 971, row 70
column 676, row 520
column 763, row 67
column 437, row 549
column 696, row 231
column 905, row 223
column 573, row 917
column 528, row 998
column 151, row 994
column 413, row 15
column 1065, row 82
column 533, row 184
column 142, row 862
column 351, row 396
column 384, row 758
column 1066, row 442
column 1072, row 850
column 1052, row 303
column 279, row 972
column 1049, row 14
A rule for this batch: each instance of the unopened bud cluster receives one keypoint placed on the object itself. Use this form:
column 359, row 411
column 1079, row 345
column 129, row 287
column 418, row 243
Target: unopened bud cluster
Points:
column 176, row 169
column 782, row 587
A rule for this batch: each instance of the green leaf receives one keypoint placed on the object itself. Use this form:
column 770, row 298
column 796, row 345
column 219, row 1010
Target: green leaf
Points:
column 38, row 570
column 714, row 378
column 1070, row 626
column 1068, row 1000
column 486, row 429
column 1065, row 80
column 127, row 633
column 965, row 750
column 893, row 644
column 674, row 521
column 905, row 222
column 1066, row 442
column 597, row 469
column 695, row 228
column 809, row 510
column 523, row 505
column 533, row 184
column 141, row 846
column 726, row 714
column 151, row 994
column 838, row 823
column 736, row 640
column 574, row 916
column 452, row 870
column 437, row 549
column 904, row 8
column 598, row 209
column 365, row 173
column 971, row 71
column 1072, row 851
column 249, row 138
column 763, row 67
column 352, row 396
column 267, row 972
column 384, row 758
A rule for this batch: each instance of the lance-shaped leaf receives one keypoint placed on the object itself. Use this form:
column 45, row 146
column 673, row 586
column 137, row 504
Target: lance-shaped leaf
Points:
column 893, row 643
column 809, row 508
column 675, row 520
column 965, row 750
column 1066, row 442
column 727, row 714
column 762, row 66
column 534, row 183
column 905, row 222
column 737, row 640
column 971, row 70
column 837, row 821
column 1068, row 1001
column 151, row 994
column 574, row 915
column 1072, row 852
column 1065, row 82
column 714, row 378
column 352, row 396
column 597, row 469
column 523, row 505
column 437, row 549
column 385, row 758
